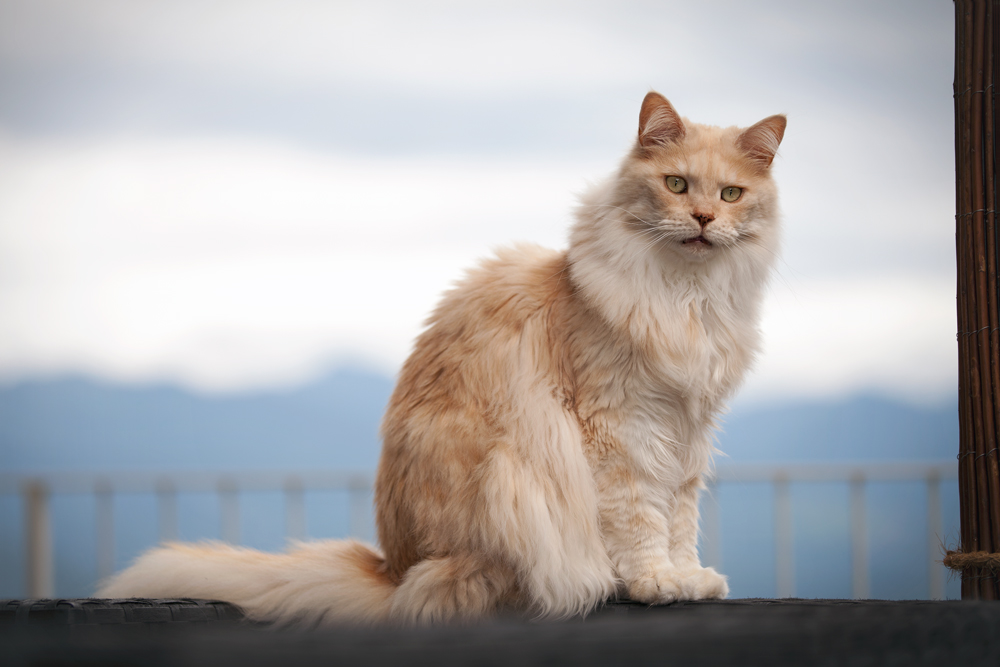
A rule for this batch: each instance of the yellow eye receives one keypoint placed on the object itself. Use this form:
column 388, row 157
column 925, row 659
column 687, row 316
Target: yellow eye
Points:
column 731, row 193
column 676, row 184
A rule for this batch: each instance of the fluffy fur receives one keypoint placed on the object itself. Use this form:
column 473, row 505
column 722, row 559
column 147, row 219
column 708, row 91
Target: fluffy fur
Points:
column 545, row 444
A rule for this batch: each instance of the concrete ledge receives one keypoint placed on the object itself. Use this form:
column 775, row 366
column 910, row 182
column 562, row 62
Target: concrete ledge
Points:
column 737, row 632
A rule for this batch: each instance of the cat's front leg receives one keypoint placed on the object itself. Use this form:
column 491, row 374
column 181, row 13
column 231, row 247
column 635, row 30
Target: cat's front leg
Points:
column 697, row 582
column 652, row 539
column 636, row 533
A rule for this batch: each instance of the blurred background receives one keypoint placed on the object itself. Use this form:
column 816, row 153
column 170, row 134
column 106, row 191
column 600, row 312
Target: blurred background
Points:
column 222, row 225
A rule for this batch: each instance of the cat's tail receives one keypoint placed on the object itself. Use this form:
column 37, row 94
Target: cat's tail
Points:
column 334, row 581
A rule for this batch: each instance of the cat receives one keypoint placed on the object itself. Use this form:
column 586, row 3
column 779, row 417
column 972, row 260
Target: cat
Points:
column 545, row 444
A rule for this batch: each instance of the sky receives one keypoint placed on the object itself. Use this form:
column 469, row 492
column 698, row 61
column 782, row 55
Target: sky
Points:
column 242, row 195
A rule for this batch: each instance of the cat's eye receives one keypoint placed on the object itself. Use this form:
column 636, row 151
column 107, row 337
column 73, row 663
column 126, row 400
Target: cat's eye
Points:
column 676, row 184
column 731, row 193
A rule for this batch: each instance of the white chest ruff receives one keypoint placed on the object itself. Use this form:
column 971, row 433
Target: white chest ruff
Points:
column 671, row 403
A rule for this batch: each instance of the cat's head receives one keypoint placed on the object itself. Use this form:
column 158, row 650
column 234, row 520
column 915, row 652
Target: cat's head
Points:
column 698, row 191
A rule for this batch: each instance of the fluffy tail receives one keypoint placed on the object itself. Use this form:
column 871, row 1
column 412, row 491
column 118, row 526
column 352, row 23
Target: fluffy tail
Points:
column 335, row 581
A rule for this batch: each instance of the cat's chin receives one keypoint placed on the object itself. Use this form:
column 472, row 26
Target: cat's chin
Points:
column 697, row 247
column 697, row 241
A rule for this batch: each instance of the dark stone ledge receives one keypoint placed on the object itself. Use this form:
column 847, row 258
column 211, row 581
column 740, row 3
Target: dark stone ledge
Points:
column 736, row 632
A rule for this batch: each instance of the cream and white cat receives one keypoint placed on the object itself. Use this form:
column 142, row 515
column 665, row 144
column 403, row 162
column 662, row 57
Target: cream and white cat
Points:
column 545, row 445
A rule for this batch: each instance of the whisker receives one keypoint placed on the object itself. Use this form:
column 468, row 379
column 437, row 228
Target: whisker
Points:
column 656, row 239
column 755, row 240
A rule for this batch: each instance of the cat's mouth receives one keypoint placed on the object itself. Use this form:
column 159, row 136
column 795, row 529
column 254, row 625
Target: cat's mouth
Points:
column 697, row 241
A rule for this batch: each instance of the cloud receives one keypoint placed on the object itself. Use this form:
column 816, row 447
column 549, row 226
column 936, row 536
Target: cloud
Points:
column 491, row 48
column 151, row 253
column 235, row 193
column 893, row 334
column 227, row 264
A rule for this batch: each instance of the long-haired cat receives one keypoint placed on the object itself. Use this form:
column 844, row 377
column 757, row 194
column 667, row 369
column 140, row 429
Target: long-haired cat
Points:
column 545, row 445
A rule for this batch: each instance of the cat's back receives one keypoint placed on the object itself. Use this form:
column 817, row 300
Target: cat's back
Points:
column 501, row 292
column 478, row 329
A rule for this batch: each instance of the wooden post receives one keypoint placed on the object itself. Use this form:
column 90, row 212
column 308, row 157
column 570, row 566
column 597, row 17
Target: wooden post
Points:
column 977, row 38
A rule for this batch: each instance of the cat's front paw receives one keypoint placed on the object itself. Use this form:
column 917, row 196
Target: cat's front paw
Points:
column 657, row 587
column 670, row 584
column 703, row 583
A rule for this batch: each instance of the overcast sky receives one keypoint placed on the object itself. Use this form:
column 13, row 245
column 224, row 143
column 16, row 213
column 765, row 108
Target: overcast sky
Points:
column 233, row 195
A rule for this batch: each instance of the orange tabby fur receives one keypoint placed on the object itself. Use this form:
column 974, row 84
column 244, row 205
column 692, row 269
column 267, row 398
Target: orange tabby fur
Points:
column 545, row 444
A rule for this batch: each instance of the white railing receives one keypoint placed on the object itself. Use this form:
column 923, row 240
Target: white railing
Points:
column 858, row 477
column 36, row 491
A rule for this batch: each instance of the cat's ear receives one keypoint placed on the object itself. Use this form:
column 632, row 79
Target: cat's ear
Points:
column 659, row 124
column 760, row 141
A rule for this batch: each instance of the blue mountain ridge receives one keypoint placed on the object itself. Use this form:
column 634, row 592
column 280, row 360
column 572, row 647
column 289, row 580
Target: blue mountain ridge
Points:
column 86, row 424
column 863, row 427
column 79, row 423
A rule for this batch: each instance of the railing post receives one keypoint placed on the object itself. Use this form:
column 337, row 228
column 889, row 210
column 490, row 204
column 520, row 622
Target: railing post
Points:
column 784, row 542
column 859, row 539
column 359, row 517
column 711, row 555
column 39, row 565
column 935, row 527
column 229, row 510
column 295, row 508
column 105, row 523
column 166, row 501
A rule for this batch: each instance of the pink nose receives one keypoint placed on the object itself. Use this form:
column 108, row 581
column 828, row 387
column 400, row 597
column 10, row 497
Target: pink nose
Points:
column 702, row 218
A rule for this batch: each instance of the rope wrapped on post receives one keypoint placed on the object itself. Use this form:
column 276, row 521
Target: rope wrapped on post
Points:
column 973, row 560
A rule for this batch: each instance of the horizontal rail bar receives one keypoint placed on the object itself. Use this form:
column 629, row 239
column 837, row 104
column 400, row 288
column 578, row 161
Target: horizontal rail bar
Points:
column 187, row 481
column 183, row 481
column 902, row 471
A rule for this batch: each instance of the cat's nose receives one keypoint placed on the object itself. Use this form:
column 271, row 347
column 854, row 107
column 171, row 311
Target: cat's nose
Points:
column 702, row 218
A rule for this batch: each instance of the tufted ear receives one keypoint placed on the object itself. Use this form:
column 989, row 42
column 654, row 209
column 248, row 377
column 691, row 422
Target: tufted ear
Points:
column 760, row 141
column 659, row 124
